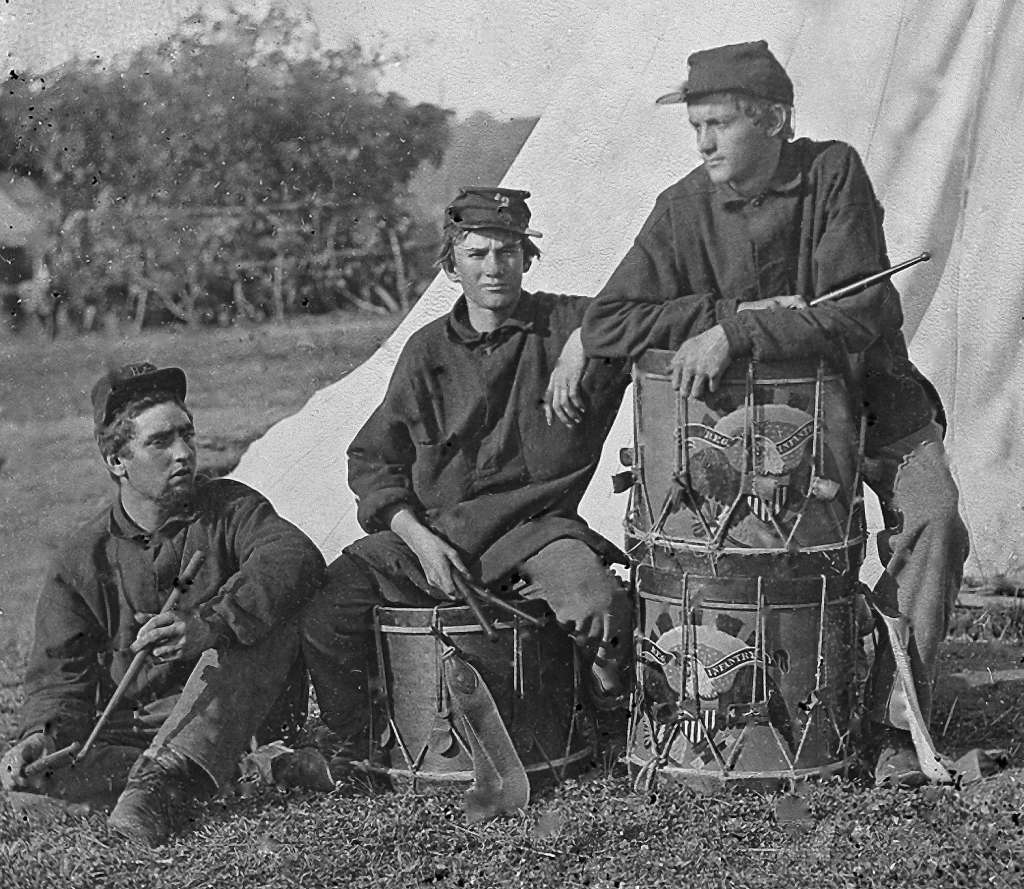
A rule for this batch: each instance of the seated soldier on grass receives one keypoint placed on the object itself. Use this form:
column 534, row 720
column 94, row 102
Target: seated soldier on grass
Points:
column 218, row 663
column 461, row 470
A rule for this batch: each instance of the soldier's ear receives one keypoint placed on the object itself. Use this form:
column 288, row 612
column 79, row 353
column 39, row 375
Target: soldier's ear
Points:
column 452, row 273
column 777, row 120
column 115, row 465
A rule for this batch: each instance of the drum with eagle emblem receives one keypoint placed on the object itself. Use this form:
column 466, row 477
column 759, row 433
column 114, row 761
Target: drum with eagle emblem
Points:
column 745, row 531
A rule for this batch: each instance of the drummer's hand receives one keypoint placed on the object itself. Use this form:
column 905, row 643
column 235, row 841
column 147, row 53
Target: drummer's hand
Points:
column 564, row 396
column 27, row 750
column 592, row 628
column 700, row 362
column 437, row 557
column 174, row 635
column 791, row 301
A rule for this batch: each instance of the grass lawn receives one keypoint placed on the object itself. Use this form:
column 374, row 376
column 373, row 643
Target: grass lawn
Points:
column 595, row 831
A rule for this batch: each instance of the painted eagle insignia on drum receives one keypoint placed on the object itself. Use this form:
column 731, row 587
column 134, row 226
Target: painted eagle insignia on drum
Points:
column 772, row 450
column 703, row 666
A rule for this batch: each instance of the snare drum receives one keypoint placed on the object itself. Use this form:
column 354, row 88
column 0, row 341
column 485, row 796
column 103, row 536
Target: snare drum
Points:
column 743, row 680
column 760, row 476
column 746, row 533
column 532, row 673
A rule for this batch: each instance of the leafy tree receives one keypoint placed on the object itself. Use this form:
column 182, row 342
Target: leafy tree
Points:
column 237, row 167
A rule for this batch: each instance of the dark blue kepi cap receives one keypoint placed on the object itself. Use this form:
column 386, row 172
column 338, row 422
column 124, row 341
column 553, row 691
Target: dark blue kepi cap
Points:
column 118, row 386
column 748, row 68
column 477, row 207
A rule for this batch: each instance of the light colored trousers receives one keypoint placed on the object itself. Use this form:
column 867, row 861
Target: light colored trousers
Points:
column 923, row 547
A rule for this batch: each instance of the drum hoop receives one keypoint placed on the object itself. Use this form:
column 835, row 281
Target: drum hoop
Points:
column 466, row 775
column 449, row 629
column 700, row 547
column 757, row 381
column 753, row 607
column 678, row 772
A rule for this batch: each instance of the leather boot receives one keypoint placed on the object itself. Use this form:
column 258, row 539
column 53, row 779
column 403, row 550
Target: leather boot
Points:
column 158, row 784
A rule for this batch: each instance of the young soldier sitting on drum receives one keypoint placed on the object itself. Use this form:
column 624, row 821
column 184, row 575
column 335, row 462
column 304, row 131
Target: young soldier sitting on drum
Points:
column 762, row 226
column 215, row 665
column 461, row 472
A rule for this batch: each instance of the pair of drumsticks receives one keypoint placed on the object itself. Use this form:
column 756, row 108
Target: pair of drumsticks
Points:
column 474, row 594
column 75, row 752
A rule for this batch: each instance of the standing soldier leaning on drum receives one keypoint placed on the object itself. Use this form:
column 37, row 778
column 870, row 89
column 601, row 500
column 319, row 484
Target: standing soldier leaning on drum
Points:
column 474, row 464
column 762, row 226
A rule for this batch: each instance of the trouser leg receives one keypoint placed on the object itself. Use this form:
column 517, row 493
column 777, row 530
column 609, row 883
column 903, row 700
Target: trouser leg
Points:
column 923, row 552
column 227, row 699
column 579, row 587
column 337, row 625
column 287, row 717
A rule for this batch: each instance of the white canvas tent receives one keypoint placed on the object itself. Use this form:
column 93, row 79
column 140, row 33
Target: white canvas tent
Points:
column 929, row 92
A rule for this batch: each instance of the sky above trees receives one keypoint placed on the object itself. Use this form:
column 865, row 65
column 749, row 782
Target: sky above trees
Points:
column 492, row 55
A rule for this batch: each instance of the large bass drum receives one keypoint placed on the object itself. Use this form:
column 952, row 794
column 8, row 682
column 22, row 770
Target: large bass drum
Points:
column 746, row 533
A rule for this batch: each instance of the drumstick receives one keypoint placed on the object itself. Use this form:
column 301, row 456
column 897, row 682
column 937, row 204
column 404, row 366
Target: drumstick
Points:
column 180, row 583
column 498, row 602
column 56, row 760
column 864, row 283
column 469, row 594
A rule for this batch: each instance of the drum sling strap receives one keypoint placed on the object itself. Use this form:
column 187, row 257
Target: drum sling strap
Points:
column 897, row 628
column 500, row 784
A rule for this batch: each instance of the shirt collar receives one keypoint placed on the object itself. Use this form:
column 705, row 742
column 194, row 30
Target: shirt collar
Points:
column 462, row 331
column 121, row 525
column 787, row 178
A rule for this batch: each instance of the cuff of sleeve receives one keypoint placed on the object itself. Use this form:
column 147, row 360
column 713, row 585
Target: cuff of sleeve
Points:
column 740, row 342
column 388, row 513
column 218, row 624
column 376, row 511
column 725, row 308
column 33, row 730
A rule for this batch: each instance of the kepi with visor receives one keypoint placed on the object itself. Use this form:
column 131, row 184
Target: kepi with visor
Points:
column 748, row 68
column 117, row 387
column 478, row 207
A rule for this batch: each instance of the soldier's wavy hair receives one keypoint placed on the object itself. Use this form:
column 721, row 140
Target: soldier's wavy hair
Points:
column 763, row 112
column 452, row 235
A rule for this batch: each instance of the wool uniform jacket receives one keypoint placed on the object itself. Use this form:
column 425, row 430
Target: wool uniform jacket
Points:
column 258, row 572
column 461, row 437
column 817, row 226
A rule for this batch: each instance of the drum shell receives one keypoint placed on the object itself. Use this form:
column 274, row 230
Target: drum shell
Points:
column 796, row 639
column 694, row 457
column 531, row 672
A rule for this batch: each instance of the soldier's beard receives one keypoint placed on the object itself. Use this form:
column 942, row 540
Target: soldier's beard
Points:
column 175, row 500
